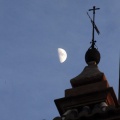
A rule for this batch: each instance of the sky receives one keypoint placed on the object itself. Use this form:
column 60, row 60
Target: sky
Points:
column 31, row 31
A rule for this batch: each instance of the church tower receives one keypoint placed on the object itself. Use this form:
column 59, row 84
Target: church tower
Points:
column 91, row 97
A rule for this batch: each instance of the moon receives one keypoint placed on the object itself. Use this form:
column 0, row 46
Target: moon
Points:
column 62, row 54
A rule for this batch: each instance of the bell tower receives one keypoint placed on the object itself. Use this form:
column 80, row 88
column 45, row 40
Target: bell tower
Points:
column 91, row 97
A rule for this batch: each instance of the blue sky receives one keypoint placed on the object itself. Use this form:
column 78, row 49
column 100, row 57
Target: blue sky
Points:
column 31, row 76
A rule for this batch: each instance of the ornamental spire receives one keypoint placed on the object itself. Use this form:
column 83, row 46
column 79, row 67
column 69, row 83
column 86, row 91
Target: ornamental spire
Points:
column 94, row 26
column 92, row 53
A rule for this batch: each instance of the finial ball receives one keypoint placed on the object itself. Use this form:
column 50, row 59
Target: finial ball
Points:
column 92, row 54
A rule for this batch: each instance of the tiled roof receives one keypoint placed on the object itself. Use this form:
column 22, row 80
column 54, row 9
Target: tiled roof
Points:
column 96, row 113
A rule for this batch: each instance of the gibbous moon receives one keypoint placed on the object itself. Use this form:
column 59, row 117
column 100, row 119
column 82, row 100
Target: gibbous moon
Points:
column 62, row 55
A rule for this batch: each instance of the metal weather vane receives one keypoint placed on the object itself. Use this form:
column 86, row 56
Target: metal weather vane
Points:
column 94, row 25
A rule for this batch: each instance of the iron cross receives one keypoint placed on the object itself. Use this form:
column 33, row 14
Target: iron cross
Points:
column 94, row 26
column 94, row 8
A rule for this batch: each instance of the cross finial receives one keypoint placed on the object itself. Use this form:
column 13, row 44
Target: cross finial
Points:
column 94, row 8
column 94, row 26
